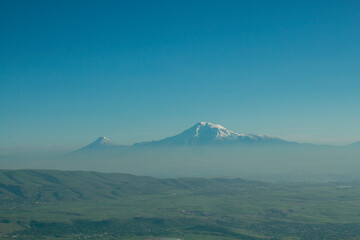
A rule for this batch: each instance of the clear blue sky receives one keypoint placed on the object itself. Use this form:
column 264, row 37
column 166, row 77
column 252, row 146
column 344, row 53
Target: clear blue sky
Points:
column 71, row 71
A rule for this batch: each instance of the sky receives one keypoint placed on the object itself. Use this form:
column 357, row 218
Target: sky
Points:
column 71, row 71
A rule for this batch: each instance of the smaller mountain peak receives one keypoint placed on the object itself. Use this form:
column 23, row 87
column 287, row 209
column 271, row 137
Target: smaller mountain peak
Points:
column 103, row 141
column 99, row 143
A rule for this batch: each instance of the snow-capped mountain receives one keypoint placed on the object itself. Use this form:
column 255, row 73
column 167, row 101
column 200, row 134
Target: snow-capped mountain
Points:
column 204, row 133
column 100, row 143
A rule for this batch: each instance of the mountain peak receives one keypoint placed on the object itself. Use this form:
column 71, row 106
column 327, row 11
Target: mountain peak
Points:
column 103, row 141
column 210, row 131
column 203, row 133
column 209, row 124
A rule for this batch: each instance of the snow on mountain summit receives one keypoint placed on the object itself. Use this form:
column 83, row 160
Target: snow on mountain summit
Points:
column 210, row 130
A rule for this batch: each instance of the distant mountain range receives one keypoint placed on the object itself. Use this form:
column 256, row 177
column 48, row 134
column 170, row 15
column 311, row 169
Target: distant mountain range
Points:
column 201, row 134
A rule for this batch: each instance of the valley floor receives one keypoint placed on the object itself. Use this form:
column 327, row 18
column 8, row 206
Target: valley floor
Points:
column 61, row 205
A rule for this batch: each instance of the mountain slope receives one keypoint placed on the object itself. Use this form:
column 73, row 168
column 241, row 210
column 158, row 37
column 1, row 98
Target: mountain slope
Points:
column 204, row 133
